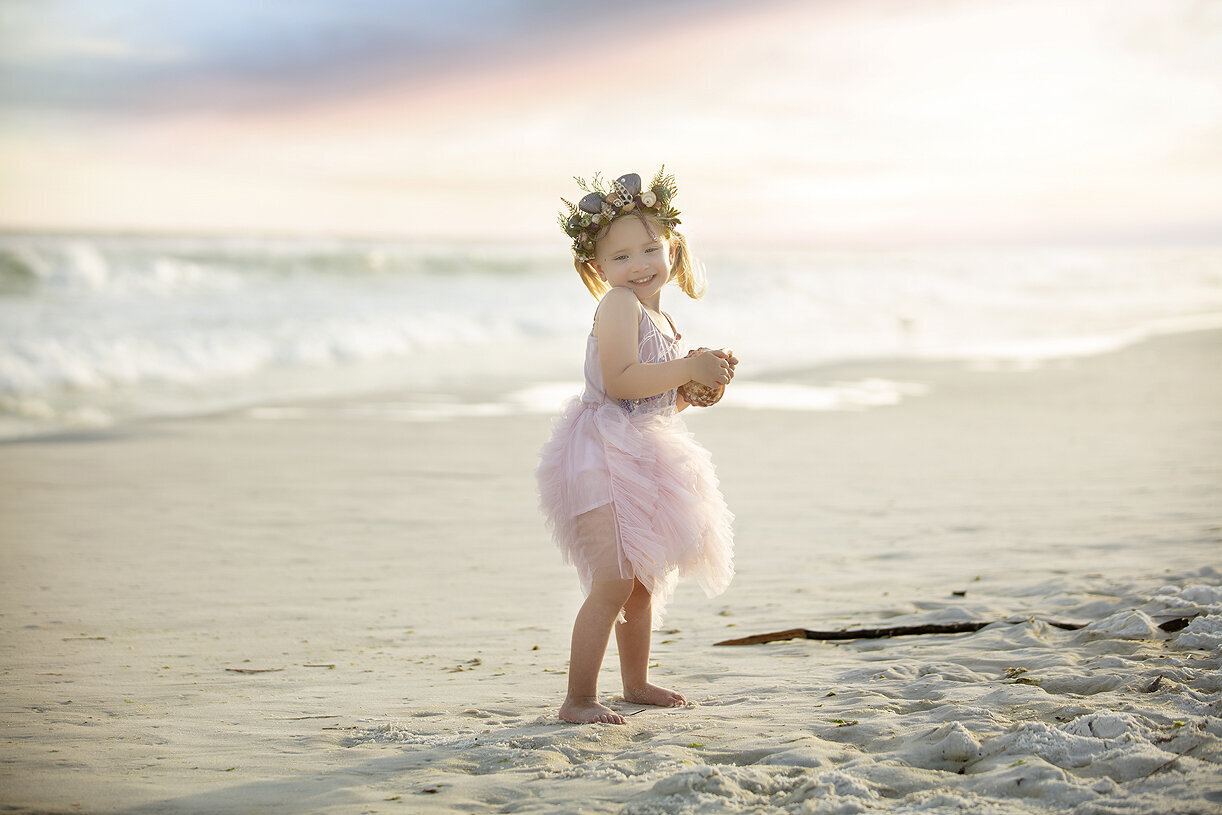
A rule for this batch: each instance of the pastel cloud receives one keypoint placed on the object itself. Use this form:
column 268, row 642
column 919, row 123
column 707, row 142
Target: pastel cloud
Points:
column 809, row 123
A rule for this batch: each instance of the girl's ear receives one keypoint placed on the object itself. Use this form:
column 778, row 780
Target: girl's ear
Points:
column 598, row 270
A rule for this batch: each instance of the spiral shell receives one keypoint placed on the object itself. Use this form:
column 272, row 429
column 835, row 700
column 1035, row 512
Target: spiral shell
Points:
column 699, row 395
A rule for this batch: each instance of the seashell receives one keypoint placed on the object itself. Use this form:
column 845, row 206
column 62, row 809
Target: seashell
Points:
column 593, row 202
column 699, row 395
column 631, row 183
column 648, row 199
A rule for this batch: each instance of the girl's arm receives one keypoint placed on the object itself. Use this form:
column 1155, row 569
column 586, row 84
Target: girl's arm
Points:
column 624, row 375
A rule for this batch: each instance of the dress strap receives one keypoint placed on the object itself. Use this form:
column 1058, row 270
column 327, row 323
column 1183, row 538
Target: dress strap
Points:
column 673, row 330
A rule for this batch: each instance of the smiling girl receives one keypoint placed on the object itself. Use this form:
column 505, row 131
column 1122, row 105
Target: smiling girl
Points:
column 631, row 499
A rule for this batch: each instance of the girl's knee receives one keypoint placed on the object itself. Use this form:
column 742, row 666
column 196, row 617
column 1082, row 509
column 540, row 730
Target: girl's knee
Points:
column 612, row 592
column 639, row 600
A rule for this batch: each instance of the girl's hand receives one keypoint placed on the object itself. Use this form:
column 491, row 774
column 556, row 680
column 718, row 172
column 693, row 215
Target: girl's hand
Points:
column 729, row 357
column 711, row 368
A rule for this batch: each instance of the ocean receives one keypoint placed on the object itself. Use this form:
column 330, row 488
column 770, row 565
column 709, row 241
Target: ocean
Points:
column 100, row 331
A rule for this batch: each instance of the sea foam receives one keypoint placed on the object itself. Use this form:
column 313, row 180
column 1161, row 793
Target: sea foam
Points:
column 96, row 330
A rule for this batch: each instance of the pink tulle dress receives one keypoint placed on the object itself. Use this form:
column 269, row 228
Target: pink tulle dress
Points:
column 628, row 492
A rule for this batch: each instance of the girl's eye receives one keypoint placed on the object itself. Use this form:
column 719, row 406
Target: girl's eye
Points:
column 652, row 249
column 621, row 257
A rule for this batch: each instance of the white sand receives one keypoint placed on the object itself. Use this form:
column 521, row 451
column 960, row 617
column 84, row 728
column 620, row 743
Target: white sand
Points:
column 395, row 579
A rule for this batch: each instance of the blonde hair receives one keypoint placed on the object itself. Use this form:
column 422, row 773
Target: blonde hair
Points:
column 685, row 270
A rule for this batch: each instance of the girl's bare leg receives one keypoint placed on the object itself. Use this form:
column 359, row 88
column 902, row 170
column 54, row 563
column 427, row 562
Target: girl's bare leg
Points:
column 633, row 637
column 591, row 632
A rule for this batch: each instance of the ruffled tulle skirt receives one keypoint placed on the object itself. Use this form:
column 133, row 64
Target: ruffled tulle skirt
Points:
column 635, row 496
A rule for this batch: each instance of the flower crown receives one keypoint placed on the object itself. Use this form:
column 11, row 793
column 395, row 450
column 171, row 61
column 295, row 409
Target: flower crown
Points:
column 600, row 206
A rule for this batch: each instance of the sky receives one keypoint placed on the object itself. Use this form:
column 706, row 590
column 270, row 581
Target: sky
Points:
column 824, row 123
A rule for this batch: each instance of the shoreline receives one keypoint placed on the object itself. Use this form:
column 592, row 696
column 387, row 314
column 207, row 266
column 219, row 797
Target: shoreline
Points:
column 815, row 387
column 393, row 586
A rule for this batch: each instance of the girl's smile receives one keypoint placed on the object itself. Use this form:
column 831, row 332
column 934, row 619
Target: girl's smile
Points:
column 634, row 255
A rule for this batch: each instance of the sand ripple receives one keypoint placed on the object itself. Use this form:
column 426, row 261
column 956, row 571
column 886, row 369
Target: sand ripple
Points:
column 1120, row 717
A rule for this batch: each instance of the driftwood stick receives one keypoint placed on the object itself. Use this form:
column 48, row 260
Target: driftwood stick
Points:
column 1171, row 625
column 775, row 636
column 254, row 670
column 879, row 633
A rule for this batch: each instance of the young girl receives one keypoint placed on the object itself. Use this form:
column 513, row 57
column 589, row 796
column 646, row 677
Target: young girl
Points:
column 630, row 497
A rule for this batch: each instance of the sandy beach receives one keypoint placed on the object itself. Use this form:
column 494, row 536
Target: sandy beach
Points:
column 335, row 611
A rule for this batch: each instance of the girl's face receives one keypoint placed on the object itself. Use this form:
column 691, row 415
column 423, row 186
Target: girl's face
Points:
column 633, row 254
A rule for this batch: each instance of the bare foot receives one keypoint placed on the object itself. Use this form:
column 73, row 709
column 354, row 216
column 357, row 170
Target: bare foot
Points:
column 650, row 694
column 588, row 711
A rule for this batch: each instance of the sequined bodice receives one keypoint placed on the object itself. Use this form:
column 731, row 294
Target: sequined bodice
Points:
column 652, row 347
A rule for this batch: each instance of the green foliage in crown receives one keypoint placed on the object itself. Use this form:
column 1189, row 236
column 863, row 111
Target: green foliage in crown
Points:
column 602, row 204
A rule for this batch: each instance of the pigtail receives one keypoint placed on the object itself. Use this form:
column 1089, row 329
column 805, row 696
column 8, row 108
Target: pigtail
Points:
column 687, row 272
column 597, row 286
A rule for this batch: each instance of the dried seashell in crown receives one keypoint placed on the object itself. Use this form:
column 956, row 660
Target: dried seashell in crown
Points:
column 603, row 203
